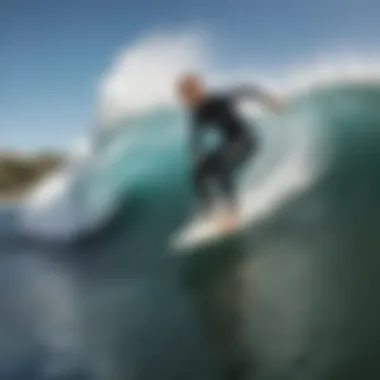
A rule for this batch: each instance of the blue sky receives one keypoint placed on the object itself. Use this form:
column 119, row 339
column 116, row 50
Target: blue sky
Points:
column 52, row 52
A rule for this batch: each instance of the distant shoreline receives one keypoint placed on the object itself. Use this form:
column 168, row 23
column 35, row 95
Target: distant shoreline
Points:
column 19, row 173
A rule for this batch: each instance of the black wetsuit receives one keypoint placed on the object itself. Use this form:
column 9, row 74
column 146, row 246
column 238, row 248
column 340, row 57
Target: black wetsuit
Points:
column 239, row 143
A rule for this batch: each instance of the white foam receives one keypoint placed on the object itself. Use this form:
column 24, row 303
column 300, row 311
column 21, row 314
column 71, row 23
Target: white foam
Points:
column 144, row 74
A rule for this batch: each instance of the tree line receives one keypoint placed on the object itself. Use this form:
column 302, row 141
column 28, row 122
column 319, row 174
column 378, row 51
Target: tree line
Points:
column 18, row 173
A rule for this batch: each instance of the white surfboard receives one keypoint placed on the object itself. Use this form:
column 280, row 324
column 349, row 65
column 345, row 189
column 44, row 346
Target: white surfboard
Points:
column 202, row 231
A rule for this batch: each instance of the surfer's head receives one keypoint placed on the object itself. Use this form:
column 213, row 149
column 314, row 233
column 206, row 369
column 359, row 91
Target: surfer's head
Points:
column 191, row 89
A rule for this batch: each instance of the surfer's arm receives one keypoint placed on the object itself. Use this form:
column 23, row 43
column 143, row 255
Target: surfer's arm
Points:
column 257, row 93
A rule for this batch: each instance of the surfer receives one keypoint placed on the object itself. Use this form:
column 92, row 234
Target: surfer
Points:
column 239, row 142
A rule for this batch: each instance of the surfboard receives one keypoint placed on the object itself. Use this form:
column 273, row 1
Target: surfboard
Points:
column 200, row 231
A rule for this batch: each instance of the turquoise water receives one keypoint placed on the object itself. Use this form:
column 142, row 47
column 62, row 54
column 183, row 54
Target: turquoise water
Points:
column 296, row 296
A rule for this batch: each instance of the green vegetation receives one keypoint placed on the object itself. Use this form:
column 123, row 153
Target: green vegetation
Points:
column 18, row 173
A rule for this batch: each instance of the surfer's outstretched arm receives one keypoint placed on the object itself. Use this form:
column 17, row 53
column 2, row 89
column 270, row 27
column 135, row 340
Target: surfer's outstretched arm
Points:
column 258, row 94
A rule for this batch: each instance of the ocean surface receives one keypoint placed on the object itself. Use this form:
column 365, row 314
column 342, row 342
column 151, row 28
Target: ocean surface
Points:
column 293, row 296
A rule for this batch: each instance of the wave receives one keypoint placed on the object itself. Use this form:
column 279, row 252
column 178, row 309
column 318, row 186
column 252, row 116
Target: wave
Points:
column 138, row 143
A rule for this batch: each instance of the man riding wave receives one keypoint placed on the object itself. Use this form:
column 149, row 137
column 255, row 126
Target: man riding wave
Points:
column 239, row 141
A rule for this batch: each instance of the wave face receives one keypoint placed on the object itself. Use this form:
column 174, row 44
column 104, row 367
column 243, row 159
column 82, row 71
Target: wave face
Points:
column 294, row 296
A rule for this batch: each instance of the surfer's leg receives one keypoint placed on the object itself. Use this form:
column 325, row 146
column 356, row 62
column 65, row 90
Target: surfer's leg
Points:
column 232, row 158
column 228, row 166
column 204, row 173
column 217, row 167
column 228, row 189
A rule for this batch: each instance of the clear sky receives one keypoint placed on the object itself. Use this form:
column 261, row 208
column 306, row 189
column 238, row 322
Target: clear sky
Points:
column 52, row 52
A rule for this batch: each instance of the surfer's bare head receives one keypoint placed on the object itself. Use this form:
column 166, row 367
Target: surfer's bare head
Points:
column 191, row 89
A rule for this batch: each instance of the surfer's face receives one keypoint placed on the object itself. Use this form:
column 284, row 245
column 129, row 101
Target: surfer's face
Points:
column 191, row 90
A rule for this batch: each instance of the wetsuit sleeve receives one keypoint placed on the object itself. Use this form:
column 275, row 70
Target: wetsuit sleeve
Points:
column 247, row 91
column 255, row 93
